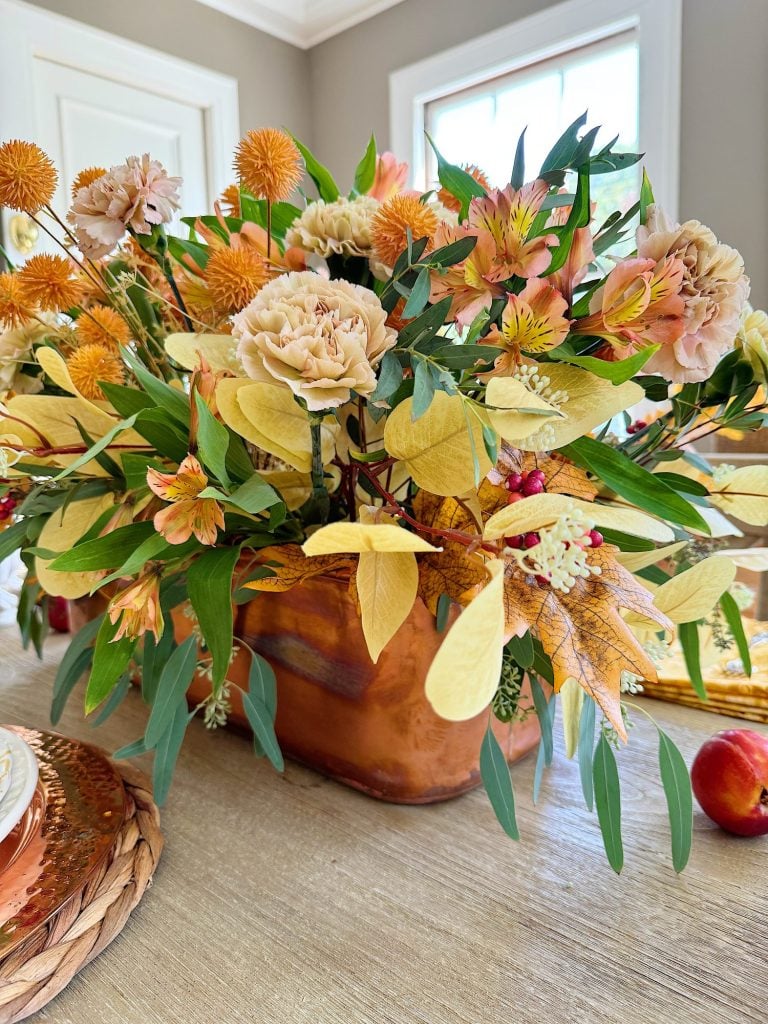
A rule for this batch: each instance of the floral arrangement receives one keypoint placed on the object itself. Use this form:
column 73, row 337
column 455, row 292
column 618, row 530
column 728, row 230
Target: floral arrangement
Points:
column 459, row 398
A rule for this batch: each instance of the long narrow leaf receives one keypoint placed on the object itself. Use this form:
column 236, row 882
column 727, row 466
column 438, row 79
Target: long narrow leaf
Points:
column 209, row 582
column 736, row 626
column 608, row 801
column 167, row 751
column 586, row 750
column 494, row 771
column 174, row 682
column 677, row 789
column 688, row 635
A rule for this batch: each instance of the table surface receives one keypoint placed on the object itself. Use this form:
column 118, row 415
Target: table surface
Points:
column 291, row 899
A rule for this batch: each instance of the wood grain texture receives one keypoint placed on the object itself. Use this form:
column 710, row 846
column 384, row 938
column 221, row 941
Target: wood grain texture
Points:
column 292, row 900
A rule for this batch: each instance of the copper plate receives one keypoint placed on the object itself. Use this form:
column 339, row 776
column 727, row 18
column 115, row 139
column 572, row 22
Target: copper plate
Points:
column 68, row 829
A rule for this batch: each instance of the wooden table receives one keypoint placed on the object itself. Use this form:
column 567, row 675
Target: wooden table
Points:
column 292, row 900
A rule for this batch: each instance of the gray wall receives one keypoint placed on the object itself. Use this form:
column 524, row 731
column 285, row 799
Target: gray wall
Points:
column 272, row 75
column 724, row 144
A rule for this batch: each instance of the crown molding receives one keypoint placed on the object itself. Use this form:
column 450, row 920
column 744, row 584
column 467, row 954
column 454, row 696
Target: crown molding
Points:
column 304, row 23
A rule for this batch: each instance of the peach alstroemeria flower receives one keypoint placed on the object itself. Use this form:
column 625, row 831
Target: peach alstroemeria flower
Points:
column 468, row 283
column 188, row 513
column 580, row 255
column 532, row 321
column 639, row 304
column 507, row 215
column 139, row 606
column 390, row 177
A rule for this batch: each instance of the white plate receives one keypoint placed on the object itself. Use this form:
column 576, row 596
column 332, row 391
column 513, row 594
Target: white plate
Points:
column 23, row 780
column 6, row 765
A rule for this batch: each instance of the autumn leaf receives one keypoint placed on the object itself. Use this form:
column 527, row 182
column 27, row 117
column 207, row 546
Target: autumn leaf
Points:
column 693, row 594
column 560, row 475
column 218, row 350
column 452, row 571
column 583, row 631
column 355, row 538
column 294, row 567
column 386, row 583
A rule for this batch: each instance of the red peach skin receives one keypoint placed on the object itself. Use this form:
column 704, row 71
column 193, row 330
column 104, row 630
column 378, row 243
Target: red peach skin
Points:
column 730, row 781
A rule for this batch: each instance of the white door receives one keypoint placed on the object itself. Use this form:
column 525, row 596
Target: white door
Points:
column 92, row 99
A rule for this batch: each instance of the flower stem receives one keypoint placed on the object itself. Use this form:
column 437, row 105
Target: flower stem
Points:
column 320, row 497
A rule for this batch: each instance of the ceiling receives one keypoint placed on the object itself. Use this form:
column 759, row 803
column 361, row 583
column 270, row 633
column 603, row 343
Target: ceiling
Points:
column 301, row 22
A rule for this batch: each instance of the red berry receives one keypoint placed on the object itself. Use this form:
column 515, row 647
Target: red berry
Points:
column 514, row 542
column 513, row 497
column 595, row 538
column 530, row 540
column 537, row 474
column 542, row 581
column 513, row 482
column 532, row 486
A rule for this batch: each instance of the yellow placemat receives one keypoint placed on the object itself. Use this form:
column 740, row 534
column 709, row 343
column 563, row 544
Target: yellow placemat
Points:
column 730, row 690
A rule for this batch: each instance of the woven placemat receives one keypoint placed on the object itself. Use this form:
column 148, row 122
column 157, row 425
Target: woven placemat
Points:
column 46, row 962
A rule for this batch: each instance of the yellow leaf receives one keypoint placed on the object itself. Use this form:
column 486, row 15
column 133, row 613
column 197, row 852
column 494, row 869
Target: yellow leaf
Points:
column 219, row 351
column 591, row 401
column 386, row 586
column 637, row 560
column 510, row 394
column 355, row 538
column 571, row 703
column 744, row 495
column 694, row 593
column 544, row 509
column 267, row 416
column 465, row 672
column 60, row 533
column 438, row 448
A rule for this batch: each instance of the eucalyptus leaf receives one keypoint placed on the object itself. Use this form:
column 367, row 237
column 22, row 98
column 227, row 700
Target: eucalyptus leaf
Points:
column 175, row 679
column 677, row 790
column 213, row 441
column 494, row 771
column 586, row 749
column 605, row 776
column 167, row 752
column 110, row 660
column 209, row 582
column 688, row 635
column 733, row 617
column 76, row 660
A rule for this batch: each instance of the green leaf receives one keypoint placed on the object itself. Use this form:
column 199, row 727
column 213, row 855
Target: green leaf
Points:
column 494, row 771
column 175, row 679
column 135, row 469
column 616, row 373
column 262, row 683
column 213, row 441
column 76, row 660
column 162, row 432
column 253, row 496
column 561, row 154
column 688, row 635
column 586, row 749
column 327, row 188
column 545, row 711
column 677, row 789
column 577, row 218
column 104, row 552
column 175, row 402
column 605, row 777
column 135, row 749
column 104, row 460
column 282, row 214
column 110, row 661
column 461, row 185
column 442, row 612
column 454, row 252
column 98, row 447
column 365, row 172
column 259, row 703
column 631, row 481
column 13, row 538
column 390, row 377
column 428, row 323
column 733, row 618
column 114, row 701
column 419, row 296
column 423, row 390
column 462, row 357
column 179, row 248
column 155, row 656
column 522, row 650
column 167, row 752
column 518, row 167
column 683, row 484
column 209, row 582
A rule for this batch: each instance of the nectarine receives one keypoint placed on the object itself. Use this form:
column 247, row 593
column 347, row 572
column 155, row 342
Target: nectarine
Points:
column 730, row 780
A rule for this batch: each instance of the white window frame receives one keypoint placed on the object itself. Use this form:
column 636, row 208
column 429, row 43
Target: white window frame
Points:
column 557, row 30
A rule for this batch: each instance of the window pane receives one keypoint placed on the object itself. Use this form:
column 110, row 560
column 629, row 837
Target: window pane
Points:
column 465, row 132
column 535, row 103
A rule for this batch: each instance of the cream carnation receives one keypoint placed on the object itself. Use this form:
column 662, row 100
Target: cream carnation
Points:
column 714, row 290
column 137, row 195
column 753, row 340
column 341, row 228
column 322, row 338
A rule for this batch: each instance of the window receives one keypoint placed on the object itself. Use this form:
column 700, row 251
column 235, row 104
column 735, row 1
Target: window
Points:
column 618, row 59
column 482, row 124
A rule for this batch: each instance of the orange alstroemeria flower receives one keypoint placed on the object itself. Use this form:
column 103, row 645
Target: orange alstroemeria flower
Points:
column 532, row 321
column 139, row 606
column 390, row 177
column 580, row 255
column 468, row 283
column 188, row 513
column 640, row 304
column 507, row 215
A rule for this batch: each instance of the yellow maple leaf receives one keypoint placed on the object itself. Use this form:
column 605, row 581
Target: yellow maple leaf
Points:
column 293, row 567
column 583, row 631
column 452, row 571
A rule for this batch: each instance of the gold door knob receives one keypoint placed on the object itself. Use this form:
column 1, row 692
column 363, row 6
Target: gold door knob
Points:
column 23, row 233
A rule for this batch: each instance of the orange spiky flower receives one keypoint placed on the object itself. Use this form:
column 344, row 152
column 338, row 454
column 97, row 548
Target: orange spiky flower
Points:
column 47, row 281
column 230, row 201
column 27, row 176
column 101, row 325
column 87, row 177
column 450, row 201
column 15, row 310
column 234, row 276
column 390, row 225
column 268, row 164
column 92, row 363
